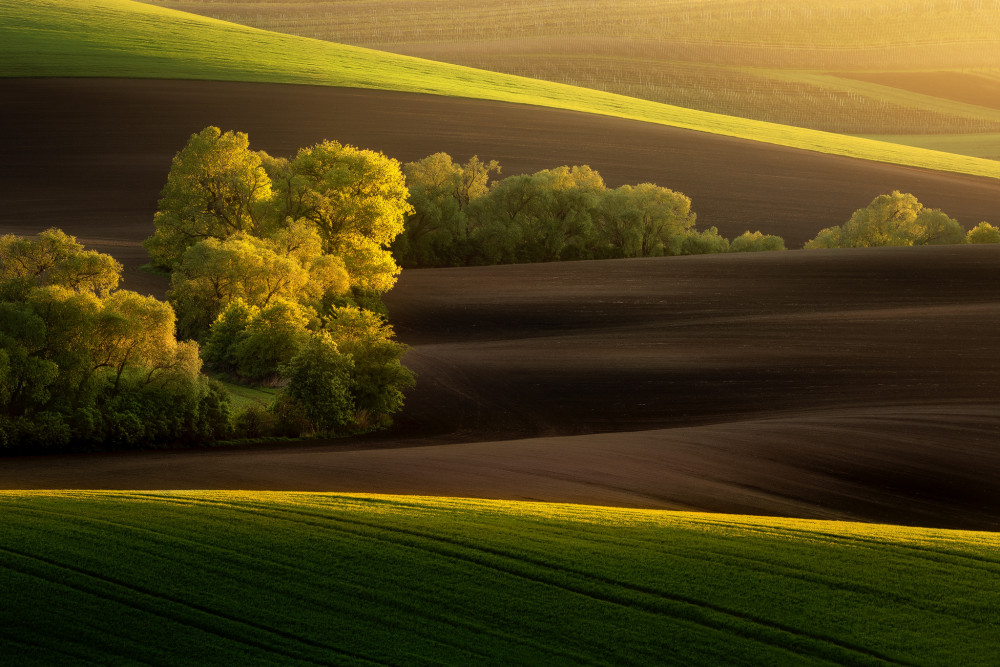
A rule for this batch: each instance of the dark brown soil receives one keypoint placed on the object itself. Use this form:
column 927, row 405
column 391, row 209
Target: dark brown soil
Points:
column 91, row 155
column 858, row 384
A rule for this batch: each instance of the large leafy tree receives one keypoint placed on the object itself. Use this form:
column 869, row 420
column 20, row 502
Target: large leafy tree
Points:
column 357, row 200
column 216, row 187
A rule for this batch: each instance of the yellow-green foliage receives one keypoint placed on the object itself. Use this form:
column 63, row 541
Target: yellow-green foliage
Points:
column 895, row 219
column 123, row 38
column 984, row 232
column 84, row 363
column 768, row 60
column 756, row 242
column 256, row 577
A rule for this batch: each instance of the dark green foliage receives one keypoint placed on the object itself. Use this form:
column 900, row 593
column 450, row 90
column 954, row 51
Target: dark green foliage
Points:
column 272, row 337
column 226, row 333
column 83, row 364
column 320, row 382
column 254, row 422
column 378, row 377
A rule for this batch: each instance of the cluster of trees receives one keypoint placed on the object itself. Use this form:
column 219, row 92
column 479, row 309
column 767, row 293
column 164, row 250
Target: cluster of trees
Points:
column 83, row 363
column 278, row 267
column 898, row 219
column 460, row 218
column 277, row 270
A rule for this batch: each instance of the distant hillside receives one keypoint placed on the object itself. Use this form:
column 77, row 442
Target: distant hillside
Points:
column 899, row 67
column 120, row 38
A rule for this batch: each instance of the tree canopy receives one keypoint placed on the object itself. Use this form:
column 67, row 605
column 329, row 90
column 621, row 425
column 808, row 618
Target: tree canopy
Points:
column 461, row 218
column 895, row 219
column 84, row 363
column 269, row 271
column 984, row 232
column 353, row 199
column 216, row 187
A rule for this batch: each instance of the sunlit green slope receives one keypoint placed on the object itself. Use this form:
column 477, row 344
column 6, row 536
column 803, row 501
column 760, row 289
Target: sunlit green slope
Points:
column 851, row 66
column 295, row 578
column 120, row 38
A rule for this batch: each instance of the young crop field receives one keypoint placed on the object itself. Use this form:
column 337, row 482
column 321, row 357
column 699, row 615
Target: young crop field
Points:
column 755, row 60
column 257, row 577
column 120, row 38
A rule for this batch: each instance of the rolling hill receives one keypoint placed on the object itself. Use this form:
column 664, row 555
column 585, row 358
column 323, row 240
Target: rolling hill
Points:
column 122, row 38
column 259, row 578
column 924, row 73
column 828, row 384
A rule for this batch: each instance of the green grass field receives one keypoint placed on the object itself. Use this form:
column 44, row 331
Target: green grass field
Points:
column 295, row 578
column 766, row 60
column 120, row 38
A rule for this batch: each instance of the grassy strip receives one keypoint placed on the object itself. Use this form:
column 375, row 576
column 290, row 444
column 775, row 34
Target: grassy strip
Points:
column 244, row 397
column 361, row 579
column 120, row 38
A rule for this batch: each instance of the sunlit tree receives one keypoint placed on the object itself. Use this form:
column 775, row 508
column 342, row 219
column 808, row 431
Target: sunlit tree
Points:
column 55, row 258
column 895, row 219
column 704, row 242
column 436, row 232
column 212, row 273
column 357, row 200
column 83, row 363
column 984, row 232
column 756, row 242
column 216, row 187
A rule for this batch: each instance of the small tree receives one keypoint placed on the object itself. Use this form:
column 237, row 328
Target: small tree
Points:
column 756, row 242
column 705, row 242
column 984, row 232
column 379, row 379
column 319, row 383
